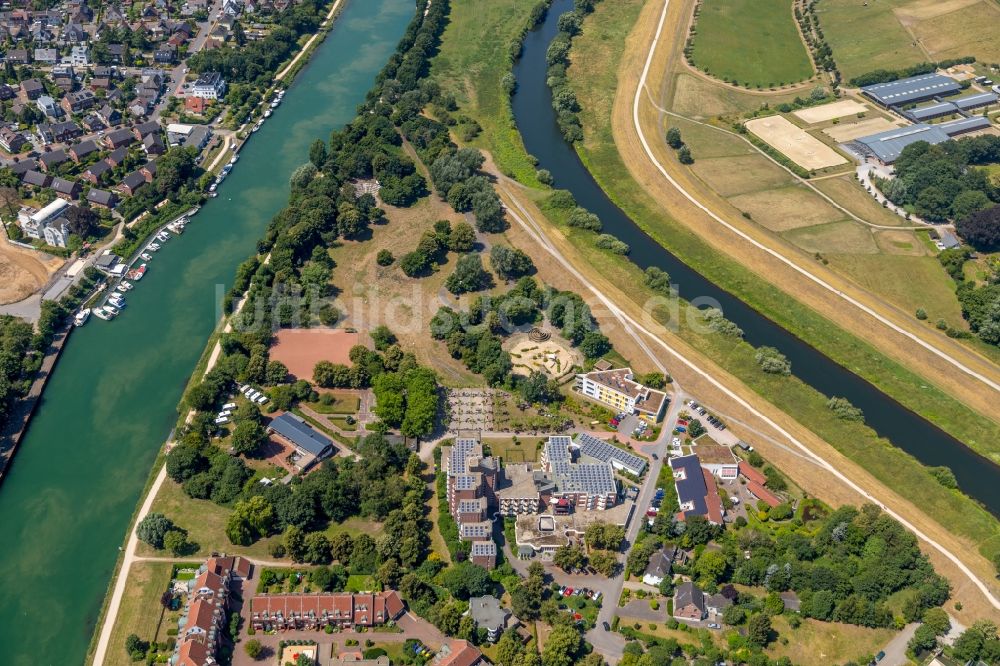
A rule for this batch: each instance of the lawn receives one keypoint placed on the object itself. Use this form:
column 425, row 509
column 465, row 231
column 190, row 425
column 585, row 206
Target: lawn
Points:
column 141, row 612
column 343, row 403
column 524, row 450
column 751, row 42
column 361, row 583
column 826, row 642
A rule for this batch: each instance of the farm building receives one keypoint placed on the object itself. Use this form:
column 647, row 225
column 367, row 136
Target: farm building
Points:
column 887, row 146
column 911, row 90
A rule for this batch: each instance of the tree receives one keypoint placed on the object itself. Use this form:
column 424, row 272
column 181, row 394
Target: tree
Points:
column 510, row 263
column 584, row 219
column 276, row 373
column 695, row 428
column 468, row 276
column 843, row 408
column 759, row 630
column 384, row 258
column 331, row 375
column 136, row 647
column 937, row 619
column 176, row 542
column 569, row 557
column 414, row 263
column 382, row 337
column 562, row 646
column 674, row 138
column 595, row 344
column 537, row 387
column 710, row 567
column 81, row 221
column 604, row 562
column 317, row 548
column 250, row 520
column 254, row 649
column 923, row 639
column 684, row 155
column 604, row 536
column 462, row 238
column 317, row 153
column 657, row 279
column 248, row 437
column 153, row 528
column 773, row 361
column 466, row 579
column 981, row 229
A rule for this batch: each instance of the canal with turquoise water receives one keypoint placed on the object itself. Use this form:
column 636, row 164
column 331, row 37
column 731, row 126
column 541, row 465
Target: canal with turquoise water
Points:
column 111, row 403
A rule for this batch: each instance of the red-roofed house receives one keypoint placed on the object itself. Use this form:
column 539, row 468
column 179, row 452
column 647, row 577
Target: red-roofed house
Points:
column 458, row 653
column 762, row 493
column 752, row 474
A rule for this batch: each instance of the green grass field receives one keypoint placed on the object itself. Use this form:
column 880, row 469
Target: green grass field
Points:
column 141, row 612
column 751, row 42
column 889, row 34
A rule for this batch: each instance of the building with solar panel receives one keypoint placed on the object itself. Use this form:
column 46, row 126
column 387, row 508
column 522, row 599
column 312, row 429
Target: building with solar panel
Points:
column 911, row 90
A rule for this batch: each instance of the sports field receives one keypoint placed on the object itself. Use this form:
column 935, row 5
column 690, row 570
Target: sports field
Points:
column 751, row 42
column 798, row 145
column 890, row 34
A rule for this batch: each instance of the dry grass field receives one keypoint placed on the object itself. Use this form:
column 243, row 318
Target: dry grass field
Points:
column 23, row 272
column 141, row 612
column 786, row 208
column 795, row 143
column 824, row 112
column 730, row 176
column 848, row 131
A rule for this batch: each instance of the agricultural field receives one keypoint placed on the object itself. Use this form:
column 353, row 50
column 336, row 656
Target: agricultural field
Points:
column 750, row 42
column 890, row 34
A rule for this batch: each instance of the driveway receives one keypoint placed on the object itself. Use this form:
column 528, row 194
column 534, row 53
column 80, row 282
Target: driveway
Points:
column 895, row 650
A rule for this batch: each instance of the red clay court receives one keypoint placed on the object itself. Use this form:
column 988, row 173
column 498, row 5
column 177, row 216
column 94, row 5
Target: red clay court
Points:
column 300, row 349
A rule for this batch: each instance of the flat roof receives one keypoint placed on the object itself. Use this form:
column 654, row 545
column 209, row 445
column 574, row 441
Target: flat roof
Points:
column 301, row 434
column 598, row 449
column 911, row 89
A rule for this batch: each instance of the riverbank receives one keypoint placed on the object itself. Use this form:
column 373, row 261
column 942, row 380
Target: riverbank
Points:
column 83, row 465
column 937, row 509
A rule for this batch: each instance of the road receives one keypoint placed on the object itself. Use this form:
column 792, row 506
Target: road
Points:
column 508, row 188
column 640, row 89
column 895, row 650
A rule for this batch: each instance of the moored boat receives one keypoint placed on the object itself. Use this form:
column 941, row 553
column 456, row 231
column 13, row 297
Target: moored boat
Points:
column 81, row 317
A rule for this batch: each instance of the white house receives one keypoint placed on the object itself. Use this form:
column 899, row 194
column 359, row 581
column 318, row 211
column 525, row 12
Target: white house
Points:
column 79, row 56
column 209, row 85
column 47, row 223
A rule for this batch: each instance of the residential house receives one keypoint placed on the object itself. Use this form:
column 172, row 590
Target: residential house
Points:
column 142, row 130
column 209, row 85
column 18, row 56
column 165, row 54
column 195, row 104
column 118, row 138
column 78, row 101
column 131, row 183
column 7, row 92
column 66, row 189
column 102, row 198
column 49, row 161
column 109, row 115
column 79, row 56
column 689, row 602
column 46, row 56
column 116, row 53
column 96, row 172
column 198, row 137
column 99, row 83
column 457, row 652
column 116, row 157
column 716, row 604
column 49, row 107
column 153, row 144
column 93, row 123
column 59, row 132
column 83, row 150
column 309, row 612
column 34, row 223
column 148, row 171
column 32, row 89
column 20, row 167
column 36, row 179
column 11, row 141
column 140, row 107
column 658, row 569
column 487, row 613
column 73, row 34
column 696, row 491
column 484, row 554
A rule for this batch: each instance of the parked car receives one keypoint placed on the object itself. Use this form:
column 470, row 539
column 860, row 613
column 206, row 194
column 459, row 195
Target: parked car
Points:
column 607, row 627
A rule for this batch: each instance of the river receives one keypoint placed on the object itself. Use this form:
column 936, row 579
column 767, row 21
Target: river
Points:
column 111, row 403
column 977, row 477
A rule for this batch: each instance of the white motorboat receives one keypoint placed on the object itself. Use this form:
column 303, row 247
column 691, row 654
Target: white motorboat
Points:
column 111, row 310
column 145, row 256
column 125, row 286
column 81, row 317
column 101, row 313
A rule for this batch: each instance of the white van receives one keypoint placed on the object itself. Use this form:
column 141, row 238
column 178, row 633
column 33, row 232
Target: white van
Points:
column 222, row 420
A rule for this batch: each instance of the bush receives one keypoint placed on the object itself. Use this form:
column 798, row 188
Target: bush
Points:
column 253, row 648
column 843, row 408
column 773, row 361
column 384, row 258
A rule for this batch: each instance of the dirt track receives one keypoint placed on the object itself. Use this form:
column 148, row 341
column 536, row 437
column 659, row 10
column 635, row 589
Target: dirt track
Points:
column 892, row 343
column 23, row 272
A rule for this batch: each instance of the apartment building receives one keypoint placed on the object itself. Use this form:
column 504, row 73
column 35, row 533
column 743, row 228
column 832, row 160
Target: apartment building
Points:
column 618, row 389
